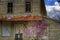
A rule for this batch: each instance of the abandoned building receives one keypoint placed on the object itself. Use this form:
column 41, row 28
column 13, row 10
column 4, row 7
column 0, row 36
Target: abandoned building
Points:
column 23, row 20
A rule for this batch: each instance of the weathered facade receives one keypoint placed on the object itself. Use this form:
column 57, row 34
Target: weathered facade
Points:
column 13, row 15
column 17, row 15
column 19, row 6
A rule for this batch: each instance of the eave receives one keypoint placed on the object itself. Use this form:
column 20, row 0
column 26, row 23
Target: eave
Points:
column 21, row 18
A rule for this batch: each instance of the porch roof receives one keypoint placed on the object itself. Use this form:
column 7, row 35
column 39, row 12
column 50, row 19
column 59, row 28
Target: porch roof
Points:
column 21, row 18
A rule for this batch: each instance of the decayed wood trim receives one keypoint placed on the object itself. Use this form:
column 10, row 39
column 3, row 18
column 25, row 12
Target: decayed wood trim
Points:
column 42, row 8
column 48, row 18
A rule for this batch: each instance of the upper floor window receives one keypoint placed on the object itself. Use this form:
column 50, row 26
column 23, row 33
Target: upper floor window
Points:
column 10, row 7
column 28, row 6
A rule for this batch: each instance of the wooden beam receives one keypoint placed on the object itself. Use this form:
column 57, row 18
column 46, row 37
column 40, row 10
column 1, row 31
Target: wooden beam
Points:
column 42, row 8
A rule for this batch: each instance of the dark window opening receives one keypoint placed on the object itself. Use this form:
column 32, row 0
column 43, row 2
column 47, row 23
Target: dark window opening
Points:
column 28, row 6
column 10, row 7
column 19, row 36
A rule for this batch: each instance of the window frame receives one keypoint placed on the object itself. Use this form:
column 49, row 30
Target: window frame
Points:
column 4, row 24
column 30, row 9
column 27, row 6
column 10, row 7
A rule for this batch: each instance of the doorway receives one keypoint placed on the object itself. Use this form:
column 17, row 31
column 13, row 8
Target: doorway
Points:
column 18, row 31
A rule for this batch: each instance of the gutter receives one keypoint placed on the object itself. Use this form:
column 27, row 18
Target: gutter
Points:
column 46, row 17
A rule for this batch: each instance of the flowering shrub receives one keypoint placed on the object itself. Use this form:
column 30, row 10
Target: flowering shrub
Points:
column 36, row 28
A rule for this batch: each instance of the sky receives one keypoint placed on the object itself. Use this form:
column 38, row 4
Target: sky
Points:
column 50, row 2
column 53, row 9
